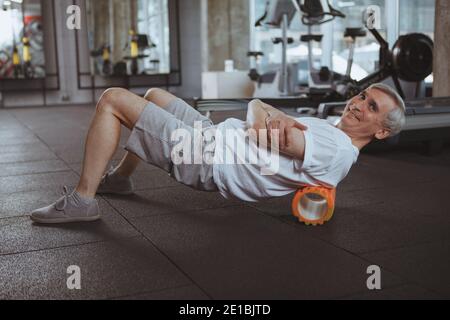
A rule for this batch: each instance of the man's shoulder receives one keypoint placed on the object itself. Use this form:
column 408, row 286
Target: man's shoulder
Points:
column 318, row 125
column 325, row 143
column 323, row 130
column 311, row 120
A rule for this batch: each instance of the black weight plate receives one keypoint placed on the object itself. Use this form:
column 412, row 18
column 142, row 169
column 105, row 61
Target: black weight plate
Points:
column 413, row 57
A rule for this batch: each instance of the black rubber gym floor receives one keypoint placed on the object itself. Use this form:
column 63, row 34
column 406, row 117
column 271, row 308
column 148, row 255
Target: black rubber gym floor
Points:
column 170, row 242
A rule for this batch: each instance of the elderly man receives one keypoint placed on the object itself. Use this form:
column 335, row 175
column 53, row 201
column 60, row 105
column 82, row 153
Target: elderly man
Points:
column 311, row 151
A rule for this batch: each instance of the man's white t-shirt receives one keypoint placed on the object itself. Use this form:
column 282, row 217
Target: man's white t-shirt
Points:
column 240, row 171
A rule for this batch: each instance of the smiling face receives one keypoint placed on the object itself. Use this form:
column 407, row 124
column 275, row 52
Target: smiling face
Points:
column 365, row 114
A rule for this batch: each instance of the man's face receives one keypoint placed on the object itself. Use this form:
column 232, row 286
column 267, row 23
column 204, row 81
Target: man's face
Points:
column 365, row 113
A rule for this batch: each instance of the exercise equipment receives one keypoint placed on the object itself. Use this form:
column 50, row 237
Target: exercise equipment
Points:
column 17, row 67
column 33, row 46
column 324, row 78
column 254, row 63
column 5, row 64
column 120, row 69
column 284, row 82
column 154, row 65
column 26, row 56
column 15, row 54
column 106, row 57
column 411, row 60
column 314, row 205
column 134, row 52
column 313, row 14
column 278, row 14
column 352, row 34
column 33, row 31
column 105, row 53
column 412, row 57
column 137, row 43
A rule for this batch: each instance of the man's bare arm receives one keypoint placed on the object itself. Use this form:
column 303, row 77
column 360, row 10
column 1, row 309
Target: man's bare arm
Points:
column 295, row 149
column 262, row 116
column 257, row 114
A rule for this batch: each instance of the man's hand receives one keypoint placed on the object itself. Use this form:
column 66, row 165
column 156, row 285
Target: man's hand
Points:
column 284, row 124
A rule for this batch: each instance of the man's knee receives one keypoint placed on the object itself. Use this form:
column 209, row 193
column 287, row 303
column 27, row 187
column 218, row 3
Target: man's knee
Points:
column 159, row 97
column 123, row 104
column 154, row 93
column 108, row 100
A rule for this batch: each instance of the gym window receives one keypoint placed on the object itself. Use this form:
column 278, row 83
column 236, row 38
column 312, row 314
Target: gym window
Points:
column 153, row 20
column 398, row 17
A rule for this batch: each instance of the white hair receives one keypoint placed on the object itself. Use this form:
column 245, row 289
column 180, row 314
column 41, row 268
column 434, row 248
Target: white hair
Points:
column 396, row 119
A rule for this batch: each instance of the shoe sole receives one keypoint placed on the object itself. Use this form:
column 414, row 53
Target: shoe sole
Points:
column 64, row 220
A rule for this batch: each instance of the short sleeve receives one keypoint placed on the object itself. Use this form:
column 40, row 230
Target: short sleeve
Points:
column 321, row 148
column 338, row 169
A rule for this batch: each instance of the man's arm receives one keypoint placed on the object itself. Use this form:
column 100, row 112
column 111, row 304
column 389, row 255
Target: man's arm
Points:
column 257, row 114
column 296, row 148
column 291, row 140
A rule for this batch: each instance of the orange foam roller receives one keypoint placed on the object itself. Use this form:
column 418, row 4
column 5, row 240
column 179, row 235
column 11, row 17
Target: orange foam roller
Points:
column 314, row 205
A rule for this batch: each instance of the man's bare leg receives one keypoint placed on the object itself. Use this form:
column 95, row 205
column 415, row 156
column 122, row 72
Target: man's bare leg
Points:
column 116, row 107
column 127, row 165
column 130, row 162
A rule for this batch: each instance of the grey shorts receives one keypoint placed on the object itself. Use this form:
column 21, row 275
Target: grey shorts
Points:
column 151, row 141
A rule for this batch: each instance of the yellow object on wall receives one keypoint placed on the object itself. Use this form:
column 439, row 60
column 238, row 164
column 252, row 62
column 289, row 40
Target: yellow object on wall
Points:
column 26, row 50
column 106, row 56
column 134, row 50
column 16, row 58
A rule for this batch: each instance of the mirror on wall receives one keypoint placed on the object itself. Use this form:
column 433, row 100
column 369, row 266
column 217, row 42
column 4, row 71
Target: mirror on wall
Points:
column 21, row 40
column 129, row 37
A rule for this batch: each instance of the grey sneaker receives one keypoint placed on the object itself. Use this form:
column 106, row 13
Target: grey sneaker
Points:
column 69, row 208
column 115, row 184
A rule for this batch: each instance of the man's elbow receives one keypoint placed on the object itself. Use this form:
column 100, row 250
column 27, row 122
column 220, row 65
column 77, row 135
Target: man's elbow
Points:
column 297, row 146
column 255, row 101
column 252, row 115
